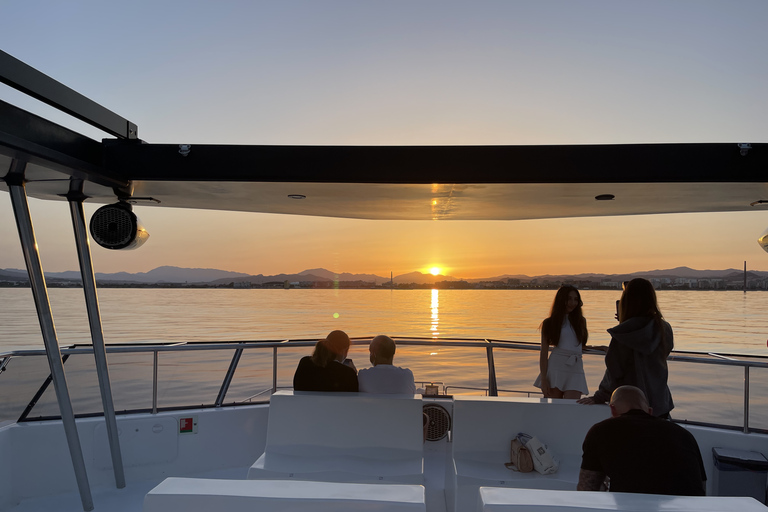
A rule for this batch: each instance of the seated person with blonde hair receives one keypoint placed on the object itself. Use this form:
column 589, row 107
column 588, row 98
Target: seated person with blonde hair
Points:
column 639, row 452
column 383, row 377
column 328, row 368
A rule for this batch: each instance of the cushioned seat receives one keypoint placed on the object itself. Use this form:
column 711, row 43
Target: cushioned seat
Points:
column 480, row 448
column 343, row 437
column 204, row 495
column 493, row 499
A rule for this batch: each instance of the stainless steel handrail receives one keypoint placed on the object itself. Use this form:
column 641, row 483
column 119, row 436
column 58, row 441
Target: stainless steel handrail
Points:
column 488, row 344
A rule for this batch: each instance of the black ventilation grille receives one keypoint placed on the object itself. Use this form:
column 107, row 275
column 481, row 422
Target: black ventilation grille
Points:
column 439, row 422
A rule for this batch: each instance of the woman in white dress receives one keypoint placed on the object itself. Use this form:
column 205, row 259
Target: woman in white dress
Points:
column 562, row 371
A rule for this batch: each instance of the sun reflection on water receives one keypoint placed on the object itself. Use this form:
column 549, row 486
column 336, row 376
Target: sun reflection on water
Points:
column 435, row 318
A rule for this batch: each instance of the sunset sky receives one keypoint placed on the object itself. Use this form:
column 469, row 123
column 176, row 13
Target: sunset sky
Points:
column 406, row 73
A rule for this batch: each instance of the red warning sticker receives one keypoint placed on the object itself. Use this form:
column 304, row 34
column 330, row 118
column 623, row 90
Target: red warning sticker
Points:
column 187, row 425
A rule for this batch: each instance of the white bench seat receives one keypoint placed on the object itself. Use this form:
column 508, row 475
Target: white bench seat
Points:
column 493, row 499
column 338, row 468
column 478, row 473
column 343, row 437
column 483, row 428
column 206, row 495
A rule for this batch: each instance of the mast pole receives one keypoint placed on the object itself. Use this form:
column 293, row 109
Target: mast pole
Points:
column 15, row 181
column 75, row 198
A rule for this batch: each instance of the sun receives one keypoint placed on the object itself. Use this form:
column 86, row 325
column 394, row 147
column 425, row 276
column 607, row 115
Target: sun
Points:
column 435, row 271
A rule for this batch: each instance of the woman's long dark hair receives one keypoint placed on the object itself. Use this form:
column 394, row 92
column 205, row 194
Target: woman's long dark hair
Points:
column 331, row 348
column 551, row 326
column 322, row 354
column 639, row 299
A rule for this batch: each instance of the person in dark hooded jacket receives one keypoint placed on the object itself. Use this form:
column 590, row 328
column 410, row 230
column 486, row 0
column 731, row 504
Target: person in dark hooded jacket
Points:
column 637, row 354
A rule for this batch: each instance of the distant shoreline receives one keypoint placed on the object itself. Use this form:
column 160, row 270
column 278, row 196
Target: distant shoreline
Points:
column 447, row 285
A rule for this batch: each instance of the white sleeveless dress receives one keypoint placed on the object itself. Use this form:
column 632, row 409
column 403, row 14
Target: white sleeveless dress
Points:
column 565, row 367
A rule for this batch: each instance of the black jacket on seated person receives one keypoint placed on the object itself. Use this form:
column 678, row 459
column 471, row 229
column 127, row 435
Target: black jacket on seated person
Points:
column 644, row 454
column 333, row 377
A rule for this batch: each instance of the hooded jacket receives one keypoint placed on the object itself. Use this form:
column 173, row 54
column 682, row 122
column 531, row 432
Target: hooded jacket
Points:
column 637, row 357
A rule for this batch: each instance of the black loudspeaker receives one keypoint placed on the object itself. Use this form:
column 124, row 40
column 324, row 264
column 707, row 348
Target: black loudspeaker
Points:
column 115, row 226
column 763, row 240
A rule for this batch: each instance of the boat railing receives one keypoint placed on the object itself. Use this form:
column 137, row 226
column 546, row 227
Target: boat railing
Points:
column 203, row 354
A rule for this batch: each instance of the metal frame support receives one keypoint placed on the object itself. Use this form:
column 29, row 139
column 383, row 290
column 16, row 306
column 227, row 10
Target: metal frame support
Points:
column 493, row 389
column 76, row 198
column 15, row 181
column 274, row 370
column 746, row 399
column 154, row 381
column 228, row 377
column 42, row 389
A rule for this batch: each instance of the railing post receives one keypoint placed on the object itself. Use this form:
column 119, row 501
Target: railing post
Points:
column 154, row 383
column 746, row 399
column 274, row 369
column 76, row 198
column 493, row 390
column 15, row 181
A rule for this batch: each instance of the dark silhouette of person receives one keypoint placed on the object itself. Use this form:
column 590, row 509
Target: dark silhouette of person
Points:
column 640, row 452
column 637, row 354
column 328, row 368
column 383, row 376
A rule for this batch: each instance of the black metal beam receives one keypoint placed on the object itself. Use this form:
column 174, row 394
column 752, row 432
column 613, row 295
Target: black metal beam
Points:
column 36, row 140
column 621, row 163
column 40, row 86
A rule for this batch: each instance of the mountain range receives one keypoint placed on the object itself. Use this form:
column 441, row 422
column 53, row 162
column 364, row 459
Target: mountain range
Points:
column 169, row 274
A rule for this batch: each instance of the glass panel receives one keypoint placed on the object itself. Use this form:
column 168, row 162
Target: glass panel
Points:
column 253, row 377
column 21, row 379
column 515, row 372
column 287, row 361
column 131, row 378
column 758, row 398
column 191, row 378
column 723, row 387
column 451, row 366
column 83, row 385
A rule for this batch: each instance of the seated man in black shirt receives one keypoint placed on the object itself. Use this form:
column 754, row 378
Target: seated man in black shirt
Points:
column 327, row 369
column 639, row 452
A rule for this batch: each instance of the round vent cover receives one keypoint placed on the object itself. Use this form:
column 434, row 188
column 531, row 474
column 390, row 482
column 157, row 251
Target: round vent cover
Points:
column 439, row 422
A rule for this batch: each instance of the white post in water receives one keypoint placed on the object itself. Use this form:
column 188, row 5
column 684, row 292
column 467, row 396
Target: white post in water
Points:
column 745, row 277
column 15, row 181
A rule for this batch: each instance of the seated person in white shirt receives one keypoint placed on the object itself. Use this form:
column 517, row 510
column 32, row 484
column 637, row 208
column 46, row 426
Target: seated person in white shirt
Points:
column 383, row 376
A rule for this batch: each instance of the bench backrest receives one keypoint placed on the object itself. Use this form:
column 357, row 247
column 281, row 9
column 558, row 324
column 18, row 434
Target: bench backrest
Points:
column 203, row 495
column 309, row 423
column 484, row 426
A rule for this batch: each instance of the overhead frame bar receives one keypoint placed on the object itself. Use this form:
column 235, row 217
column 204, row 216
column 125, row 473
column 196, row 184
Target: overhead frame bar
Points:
column 619, row 163
column 45, row 143
column 40, row 86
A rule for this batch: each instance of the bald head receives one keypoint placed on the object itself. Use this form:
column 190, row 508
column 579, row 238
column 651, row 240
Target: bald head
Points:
column 626, row 398
column 382, row 350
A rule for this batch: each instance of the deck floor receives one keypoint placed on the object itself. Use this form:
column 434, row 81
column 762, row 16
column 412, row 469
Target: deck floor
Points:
column 131, row 498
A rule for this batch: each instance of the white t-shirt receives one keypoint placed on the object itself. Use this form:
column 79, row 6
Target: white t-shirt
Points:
column 386, row 379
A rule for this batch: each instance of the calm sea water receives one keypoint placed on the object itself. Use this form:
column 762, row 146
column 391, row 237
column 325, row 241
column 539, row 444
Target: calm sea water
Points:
column 722, row 322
